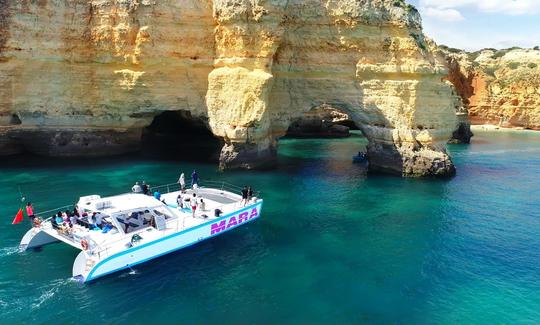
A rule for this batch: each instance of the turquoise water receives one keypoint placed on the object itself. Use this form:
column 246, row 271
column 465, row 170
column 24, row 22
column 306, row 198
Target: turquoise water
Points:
column 333, row 244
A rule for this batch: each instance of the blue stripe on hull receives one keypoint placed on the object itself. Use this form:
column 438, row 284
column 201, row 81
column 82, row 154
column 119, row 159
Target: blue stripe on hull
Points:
column 90, row 275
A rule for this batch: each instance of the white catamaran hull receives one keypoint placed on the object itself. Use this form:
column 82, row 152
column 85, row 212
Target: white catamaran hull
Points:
column 143, row 252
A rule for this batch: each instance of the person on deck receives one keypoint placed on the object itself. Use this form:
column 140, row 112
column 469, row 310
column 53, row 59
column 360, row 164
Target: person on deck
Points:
column 136, row 188
column 180, row 201
column 99, row 220
column 244, row 195
column 145, row 188
column 73, row 220
column 194, row 178
column 182, row 181
column 202, row 205
column 58, row 219
column 193, row 203
column 157, row 195
column 92, row 219
column 30, row 211
column 249, row 194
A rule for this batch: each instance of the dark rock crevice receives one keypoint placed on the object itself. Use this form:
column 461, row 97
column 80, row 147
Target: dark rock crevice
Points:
column 179, row 135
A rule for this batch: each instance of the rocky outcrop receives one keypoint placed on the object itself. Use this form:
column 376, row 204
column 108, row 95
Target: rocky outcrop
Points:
column 499, row 87
column 457, row 77
column 86, row 76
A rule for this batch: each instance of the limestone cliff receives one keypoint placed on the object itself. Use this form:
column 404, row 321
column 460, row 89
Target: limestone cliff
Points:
column 84, row 77
column 499, row 87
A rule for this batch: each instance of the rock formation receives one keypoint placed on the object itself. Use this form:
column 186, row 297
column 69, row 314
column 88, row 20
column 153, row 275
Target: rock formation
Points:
column 84, row 77
column 323, row 121
column 498, row 87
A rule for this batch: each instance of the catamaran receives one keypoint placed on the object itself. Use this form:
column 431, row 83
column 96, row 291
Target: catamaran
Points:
column 117, row 232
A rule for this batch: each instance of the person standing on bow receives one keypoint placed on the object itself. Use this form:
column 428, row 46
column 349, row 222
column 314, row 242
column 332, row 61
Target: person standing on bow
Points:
column 244, row 196
column 30, row 211
column 136, row 188
column 182, row 182
column 194, row 178
column 249, row 194
column 193, row 202
column 145, row 188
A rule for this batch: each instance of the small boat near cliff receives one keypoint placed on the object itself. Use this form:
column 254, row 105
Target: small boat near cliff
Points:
column 137, row 228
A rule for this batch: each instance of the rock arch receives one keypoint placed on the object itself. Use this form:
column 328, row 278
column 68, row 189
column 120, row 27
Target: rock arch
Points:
column 368, row 57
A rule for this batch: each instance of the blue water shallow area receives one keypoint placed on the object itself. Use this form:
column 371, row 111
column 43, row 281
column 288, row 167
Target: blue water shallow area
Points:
column 334, row 244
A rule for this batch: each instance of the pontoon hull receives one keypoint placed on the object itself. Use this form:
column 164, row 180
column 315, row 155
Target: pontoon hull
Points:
column 34, row 238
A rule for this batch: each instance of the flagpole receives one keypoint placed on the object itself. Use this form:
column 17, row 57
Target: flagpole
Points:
column 20, row 194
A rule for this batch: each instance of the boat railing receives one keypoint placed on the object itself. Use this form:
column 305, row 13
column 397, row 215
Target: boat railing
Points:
column 224, row 186
column 43, row 214
column 167, row 188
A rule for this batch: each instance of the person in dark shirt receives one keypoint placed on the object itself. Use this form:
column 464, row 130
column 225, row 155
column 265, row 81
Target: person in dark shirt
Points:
column 194, row 178
column 244, row 195
column 145, row 188
column 249, row 194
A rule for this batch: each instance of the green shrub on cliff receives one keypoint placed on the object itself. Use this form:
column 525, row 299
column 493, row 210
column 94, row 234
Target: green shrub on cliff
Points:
column 406, row 6
column 501, row 53
column 532, row 65
column 513, row 65
column 490, row 71
column 419, row 41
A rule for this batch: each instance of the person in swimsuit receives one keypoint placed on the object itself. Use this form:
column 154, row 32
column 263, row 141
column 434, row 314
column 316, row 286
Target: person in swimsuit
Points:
column 193, row 202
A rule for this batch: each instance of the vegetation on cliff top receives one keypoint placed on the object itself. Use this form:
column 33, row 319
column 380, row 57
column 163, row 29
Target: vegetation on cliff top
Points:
column 402, row 4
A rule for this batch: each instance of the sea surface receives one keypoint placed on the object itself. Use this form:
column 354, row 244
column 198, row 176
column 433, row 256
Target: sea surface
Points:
column 333, row 245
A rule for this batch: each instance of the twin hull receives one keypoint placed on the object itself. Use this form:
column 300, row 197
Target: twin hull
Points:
column 147, row 251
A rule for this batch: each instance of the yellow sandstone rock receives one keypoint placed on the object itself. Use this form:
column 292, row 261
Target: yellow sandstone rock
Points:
column 499, row 87
column 86, row 76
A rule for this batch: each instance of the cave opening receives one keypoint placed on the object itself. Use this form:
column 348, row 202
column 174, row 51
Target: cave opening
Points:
column 15, row 120
column 323, row 121
column 179, row 136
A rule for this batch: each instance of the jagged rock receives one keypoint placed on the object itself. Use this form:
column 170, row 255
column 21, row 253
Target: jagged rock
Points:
column 247, row 67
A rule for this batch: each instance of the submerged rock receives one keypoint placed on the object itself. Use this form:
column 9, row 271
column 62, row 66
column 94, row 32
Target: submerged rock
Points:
column 247, row 68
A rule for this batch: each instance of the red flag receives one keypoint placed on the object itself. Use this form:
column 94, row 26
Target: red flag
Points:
column 18, row 217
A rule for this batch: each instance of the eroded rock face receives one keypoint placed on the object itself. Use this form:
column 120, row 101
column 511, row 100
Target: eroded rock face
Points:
column 500, row 87
column 248, row 68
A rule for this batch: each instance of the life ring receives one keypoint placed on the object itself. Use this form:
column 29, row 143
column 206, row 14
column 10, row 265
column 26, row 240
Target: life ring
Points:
column 84, row 244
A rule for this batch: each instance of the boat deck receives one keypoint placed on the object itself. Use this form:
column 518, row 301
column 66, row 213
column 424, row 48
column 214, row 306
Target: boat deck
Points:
column 114, row 208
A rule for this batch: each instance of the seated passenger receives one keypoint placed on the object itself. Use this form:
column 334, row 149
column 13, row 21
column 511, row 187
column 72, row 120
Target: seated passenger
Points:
column 36, row 222
column 59, row 220
column 53, row 221
column 157, row 195
column 202, row 204
column 217, row 213
column 99, row 220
